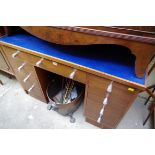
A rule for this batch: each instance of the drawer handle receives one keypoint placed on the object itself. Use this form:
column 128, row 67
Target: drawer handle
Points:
column 21, row 66
column 102, row 111
column 105, row 101
column 101, row 114
column 109, row 89
column 39, row 62
column 72, row 75
column 99, row 120
column 30, row 89
column 55, row 63
column 27, row 77
column 15, row 54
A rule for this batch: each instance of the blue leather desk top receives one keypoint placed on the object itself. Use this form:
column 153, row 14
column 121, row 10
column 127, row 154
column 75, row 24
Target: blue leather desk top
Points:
column 113, row 60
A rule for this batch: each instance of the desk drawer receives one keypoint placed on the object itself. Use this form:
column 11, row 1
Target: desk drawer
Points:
column 64, row 70
column 49, row 65
column 26, row 75
column 118, row 101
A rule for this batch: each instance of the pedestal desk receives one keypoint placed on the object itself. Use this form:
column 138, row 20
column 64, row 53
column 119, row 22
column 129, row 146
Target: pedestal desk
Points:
column 110, row 82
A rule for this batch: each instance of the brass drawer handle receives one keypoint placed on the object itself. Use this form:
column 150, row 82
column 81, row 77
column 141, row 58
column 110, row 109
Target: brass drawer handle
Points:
column 72, row 75
column 30, row 89
column 39, row 62
column 21, row 66
column 27, row 77
column 15, row 54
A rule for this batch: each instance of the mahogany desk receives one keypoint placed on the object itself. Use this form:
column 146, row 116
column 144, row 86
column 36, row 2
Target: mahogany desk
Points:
column 108, row 77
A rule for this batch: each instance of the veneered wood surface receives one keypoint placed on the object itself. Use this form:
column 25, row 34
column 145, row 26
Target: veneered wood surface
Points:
column 141, row 44
column 25, row 71
column 53, row 66
column 119, row 101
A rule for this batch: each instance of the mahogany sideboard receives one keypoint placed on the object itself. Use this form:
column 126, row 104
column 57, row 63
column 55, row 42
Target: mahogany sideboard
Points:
column 110, row 86
column 139, row 39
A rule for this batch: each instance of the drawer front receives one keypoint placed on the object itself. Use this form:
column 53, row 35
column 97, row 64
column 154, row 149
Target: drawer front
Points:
column 49, row 65
column 25, row 73
column 118, row 101
column 64, row 70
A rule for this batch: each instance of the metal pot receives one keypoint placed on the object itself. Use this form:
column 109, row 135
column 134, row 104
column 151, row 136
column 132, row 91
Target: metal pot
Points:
column 54, row 87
